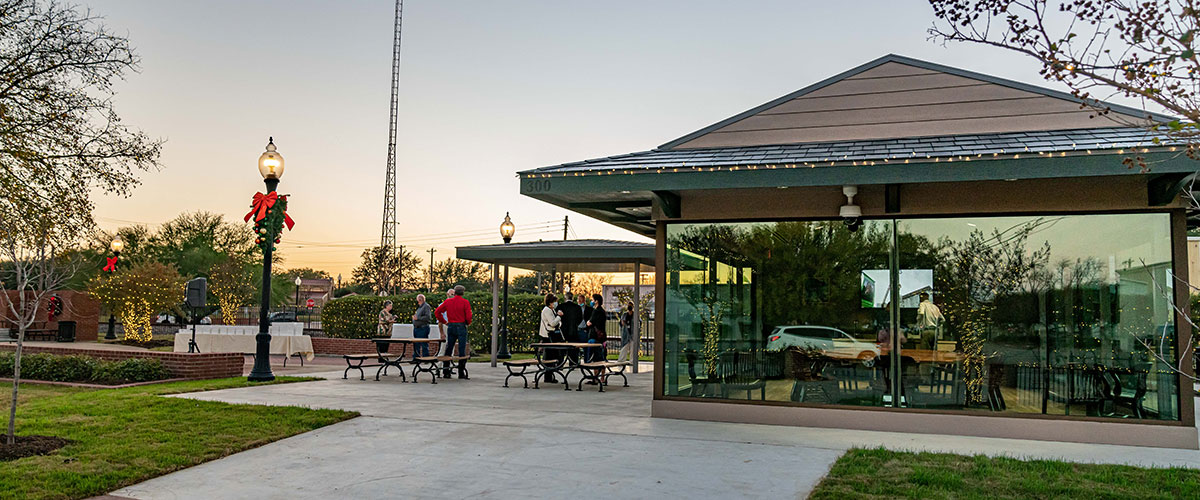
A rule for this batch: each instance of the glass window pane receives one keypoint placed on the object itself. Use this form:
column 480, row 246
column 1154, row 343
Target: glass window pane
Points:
column 1058, row 315
column 775, row 311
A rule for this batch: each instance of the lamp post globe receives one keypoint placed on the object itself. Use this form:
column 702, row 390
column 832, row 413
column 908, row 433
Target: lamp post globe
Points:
column 298, row 282
column 270, row 166
column 116, row 246
column 507, row 230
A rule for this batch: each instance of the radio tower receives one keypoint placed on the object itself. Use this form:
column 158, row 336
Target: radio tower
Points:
column 387, row 239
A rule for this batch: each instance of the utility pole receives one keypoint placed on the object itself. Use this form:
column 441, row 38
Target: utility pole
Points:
column 566, row 225
column 431, row 252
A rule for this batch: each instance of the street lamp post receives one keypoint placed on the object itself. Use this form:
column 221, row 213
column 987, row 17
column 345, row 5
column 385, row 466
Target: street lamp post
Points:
column 117, row 245
column 270, row 165
column 507, row 229
column 298, row 282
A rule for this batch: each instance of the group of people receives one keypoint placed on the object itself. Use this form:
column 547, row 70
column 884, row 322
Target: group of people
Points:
column 573, row 320
column 580, row 321
column 453, row 316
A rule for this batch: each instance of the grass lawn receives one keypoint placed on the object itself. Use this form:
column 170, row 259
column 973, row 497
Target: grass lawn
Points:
column 124, row 436
column 878, row 473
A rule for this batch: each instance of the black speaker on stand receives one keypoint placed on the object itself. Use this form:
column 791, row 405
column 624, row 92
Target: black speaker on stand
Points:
column 197, row 291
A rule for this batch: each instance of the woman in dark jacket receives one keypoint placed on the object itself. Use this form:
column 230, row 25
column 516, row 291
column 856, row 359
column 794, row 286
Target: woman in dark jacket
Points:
column 597, row 333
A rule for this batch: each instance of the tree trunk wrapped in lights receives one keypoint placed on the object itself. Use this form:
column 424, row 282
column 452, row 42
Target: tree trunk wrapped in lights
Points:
column 977, row 271
column 138, row 293
column 233, row 286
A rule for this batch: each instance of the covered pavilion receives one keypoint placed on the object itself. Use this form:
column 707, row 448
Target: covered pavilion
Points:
column 565, row 256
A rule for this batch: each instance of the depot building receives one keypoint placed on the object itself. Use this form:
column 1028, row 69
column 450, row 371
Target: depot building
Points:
column 911, row 247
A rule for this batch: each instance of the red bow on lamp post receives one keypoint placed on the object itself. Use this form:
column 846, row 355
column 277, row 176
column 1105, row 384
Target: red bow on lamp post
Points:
column 261, row 204
column 111, row 265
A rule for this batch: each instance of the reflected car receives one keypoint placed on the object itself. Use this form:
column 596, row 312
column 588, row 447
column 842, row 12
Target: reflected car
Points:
column 831, row 341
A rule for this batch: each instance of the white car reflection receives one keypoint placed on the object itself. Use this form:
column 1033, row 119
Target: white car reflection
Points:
column 830, row 341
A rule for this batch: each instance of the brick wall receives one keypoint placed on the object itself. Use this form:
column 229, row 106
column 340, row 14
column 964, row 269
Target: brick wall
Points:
column 338, row 347
column 179, row 364
column 79, row 307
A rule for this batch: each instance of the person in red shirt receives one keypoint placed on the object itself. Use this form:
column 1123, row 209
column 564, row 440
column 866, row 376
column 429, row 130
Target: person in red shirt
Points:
column 455, row 312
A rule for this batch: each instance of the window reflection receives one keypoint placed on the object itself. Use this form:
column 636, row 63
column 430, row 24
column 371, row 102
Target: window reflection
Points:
column 1051, row 315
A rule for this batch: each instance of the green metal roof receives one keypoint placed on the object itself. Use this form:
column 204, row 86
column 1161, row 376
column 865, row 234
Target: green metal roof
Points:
column 581, row 256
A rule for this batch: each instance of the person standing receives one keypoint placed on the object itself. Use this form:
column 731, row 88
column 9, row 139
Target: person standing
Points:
column 929, row 319
column 549, row 331
column 441, row 321
column 386, row 318
column 598, row 334
column 456, row 311
column 572, row 316
column 421, row 320
column 626, row 352
column 587, row 316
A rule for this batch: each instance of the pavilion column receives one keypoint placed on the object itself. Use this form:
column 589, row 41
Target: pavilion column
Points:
column 636, row 326
column 495, row 310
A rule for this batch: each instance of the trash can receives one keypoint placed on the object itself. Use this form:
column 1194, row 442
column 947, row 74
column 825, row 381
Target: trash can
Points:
column 66, row 331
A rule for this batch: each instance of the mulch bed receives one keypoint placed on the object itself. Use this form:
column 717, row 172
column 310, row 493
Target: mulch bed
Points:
column 28, row 446
column 149, row 344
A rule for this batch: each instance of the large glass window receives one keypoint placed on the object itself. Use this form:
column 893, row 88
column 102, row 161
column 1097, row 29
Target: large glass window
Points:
column 1062, row 315
column 1052, row 315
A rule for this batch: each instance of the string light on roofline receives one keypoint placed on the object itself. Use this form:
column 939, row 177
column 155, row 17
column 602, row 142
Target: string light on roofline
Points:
column 846, row 161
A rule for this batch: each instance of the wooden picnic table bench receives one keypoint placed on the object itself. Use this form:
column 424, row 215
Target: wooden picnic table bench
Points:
column 385, row 360
column 599, row 372
column 429, row 364
column 524, row 365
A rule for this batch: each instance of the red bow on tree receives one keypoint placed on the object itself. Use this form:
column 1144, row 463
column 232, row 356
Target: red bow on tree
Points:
column 112, row 264
column 260, row 205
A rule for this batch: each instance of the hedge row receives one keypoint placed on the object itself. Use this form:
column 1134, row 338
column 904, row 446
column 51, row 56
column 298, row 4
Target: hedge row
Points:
column 356, row 317
column 72, row 368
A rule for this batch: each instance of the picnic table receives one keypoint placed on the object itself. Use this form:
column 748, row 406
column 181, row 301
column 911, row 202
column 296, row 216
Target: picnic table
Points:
column 385, row 358
column 565, row 364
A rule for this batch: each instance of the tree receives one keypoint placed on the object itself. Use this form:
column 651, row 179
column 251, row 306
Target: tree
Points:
column 1142, row 49
column 307, row 273
column 195, row 242
column 36, row 267
column 232, row 283
column 588, row 284
column 472, row 275
column 388, row 271
column 138, row 292
column 60, row 140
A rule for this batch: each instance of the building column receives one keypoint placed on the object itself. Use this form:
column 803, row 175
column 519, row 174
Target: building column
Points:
column 636, row 326
column 495, row 310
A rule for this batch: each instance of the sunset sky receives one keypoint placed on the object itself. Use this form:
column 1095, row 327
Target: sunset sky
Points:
column 487, row 88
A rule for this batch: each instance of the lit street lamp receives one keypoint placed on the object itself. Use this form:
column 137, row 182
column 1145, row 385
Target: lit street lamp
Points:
column 270, row 165
column 507, row 229
column 298, row 282
column 116, row 246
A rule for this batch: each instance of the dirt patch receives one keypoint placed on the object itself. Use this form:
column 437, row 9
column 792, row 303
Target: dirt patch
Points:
column 28, row 446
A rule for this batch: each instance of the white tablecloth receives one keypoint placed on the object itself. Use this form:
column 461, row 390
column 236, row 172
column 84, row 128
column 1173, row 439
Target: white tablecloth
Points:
column 245, row 344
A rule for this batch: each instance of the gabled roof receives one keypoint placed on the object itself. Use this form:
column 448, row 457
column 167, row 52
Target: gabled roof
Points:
column 897, row 96
column 916, row 149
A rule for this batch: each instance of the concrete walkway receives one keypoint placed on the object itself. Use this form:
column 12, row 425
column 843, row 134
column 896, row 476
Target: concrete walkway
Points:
column 477, row 439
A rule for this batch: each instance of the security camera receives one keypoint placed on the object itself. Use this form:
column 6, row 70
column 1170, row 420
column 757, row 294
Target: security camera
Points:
column 851, row 214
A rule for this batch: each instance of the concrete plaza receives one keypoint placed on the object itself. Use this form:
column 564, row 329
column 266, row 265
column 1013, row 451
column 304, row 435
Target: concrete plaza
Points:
column 477, row 439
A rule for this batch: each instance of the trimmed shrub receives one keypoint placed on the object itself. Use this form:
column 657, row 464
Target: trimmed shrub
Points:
column 72, row 368
column 356, row 317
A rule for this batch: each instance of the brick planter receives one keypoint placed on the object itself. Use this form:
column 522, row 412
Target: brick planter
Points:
column 338, row 347
column 179, row 364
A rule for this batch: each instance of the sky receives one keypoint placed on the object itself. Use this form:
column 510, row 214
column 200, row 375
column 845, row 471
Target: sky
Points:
column 487, row 88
